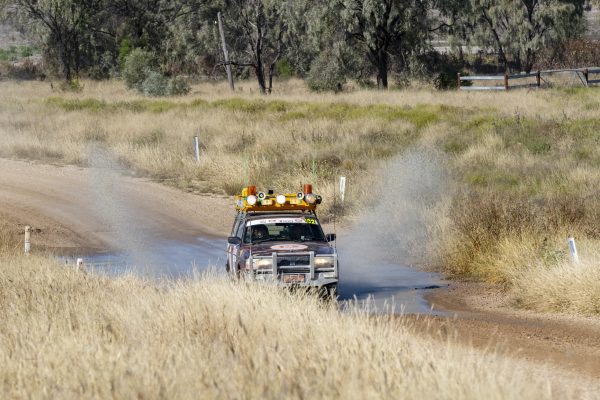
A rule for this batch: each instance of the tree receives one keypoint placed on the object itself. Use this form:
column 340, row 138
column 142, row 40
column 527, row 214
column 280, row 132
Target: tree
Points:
column 71, row 26
column 256, row 30
column 383, row 28
column 519, row 29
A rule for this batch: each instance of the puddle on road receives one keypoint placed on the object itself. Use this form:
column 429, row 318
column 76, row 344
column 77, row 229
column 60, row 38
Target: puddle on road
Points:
column 390, row 285
column 382, row 285
column 169, row 259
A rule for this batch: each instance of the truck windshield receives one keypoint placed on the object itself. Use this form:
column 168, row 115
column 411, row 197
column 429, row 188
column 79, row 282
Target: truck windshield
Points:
column 283, row 229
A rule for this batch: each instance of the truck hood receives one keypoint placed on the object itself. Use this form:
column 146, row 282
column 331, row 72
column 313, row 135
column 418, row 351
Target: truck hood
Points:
column 268, row 248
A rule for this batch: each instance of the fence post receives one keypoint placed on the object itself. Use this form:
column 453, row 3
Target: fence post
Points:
column 458, row 81
column 538, row 78
column 586, row 74
column 27, row 239
column 197, row 148
column 342, row 188
column 573, row 250
column 505, row 81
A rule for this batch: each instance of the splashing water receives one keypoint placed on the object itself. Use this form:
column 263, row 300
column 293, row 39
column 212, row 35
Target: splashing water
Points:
column 376, row 255
column 134, row 248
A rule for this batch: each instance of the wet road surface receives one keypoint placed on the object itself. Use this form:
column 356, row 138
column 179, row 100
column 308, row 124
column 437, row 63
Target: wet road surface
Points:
column 387, row 286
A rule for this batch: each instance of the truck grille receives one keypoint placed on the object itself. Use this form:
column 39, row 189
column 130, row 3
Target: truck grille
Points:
column 295, row 270
column 292, row 261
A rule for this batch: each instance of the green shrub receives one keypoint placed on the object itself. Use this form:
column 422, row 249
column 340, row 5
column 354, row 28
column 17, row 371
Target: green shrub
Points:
column 284, row 69
column 138, row 66
column 26, row 51
column 124, row 51
column 74, row 85
column 178, row 86
column 326, row 74
column 155, row 84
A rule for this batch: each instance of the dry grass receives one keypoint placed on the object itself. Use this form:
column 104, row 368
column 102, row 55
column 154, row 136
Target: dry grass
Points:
column 272, row 143
column 527, row 184
column 525, row 165
column 66, row 334
column 565, row 287
column 10, row 237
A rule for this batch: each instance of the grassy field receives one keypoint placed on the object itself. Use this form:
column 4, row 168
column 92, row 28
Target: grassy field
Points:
column 67, row 334
column 523, row 167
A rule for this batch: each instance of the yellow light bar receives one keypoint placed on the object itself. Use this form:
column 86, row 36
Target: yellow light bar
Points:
column 269, row 203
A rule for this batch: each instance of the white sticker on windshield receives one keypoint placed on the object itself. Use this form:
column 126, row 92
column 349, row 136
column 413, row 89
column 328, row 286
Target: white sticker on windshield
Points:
column 267, row 221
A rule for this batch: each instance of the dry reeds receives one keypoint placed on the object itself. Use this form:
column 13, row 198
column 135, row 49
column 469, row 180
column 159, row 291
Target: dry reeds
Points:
column 65, row 334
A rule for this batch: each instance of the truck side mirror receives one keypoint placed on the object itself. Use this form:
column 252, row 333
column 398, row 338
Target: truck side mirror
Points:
column 330, row 237
column 234, row 240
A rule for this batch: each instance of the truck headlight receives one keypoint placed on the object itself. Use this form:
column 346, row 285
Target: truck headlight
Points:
column 262, row 263
column 323, row 262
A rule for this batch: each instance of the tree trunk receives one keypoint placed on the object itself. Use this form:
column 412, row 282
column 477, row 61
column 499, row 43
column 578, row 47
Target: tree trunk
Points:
column 260, row 77
column 65, row 59
column 271, row 72
column 259, row 66
column 501, row 55
column 77, row 55
column 382, row 70
column 529, row 60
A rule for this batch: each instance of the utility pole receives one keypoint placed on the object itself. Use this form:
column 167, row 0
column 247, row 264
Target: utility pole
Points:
column 227, row 65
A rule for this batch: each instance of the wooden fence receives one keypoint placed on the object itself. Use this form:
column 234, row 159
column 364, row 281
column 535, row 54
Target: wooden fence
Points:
column 582, row 74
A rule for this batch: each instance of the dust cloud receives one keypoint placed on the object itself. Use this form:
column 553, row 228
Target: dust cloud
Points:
column 118, row 214
column 395, row 232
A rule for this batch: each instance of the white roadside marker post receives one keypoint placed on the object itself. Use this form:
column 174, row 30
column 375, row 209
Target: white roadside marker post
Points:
column 197, row 148
column 342, row 188
column 27, row 239
column 573, row 250
column 79, row 264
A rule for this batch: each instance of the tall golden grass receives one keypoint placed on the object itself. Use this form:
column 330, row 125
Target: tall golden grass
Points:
column 524, row 165
column 567, row 287
column 67, row 334
column 10, row 237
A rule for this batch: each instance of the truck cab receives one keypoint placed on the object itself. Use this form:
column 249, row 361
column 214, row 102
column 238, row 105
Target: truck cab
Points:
column 278, row 238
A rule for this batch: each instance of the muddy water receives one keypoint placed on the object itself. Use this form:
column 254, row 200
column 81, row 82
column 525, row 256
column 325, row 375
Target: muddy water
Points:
column 390, row 287
column 385, row 286
column 385, row 283
column 164, row 259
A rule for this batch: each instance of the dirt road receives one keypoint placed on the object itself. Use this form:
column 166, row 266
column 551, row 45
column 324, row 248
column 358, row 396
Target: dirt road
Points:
column 69, row 213
column 481, row 315
column 75, row 208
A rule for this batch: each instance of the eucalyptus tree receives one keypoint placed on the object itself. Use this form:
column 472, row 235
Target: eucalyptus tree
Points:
column 174, row 31
column 518, row 29
column 72, row 28
column 259, row 33
column 384, row 28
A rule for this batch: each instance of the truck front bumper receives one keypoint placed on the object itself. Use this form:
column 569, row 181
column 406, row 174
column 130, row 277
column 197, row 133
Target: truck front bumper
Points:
column 305, row 274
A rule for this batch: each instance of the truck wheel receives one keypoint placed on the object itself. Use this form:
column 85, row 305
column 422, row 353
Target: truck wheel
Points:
column 329, row 293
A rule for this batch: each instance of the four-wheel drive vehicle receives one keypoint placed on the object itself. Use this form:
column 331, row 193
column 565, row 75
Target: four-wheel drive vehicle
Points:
column 278, row 238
